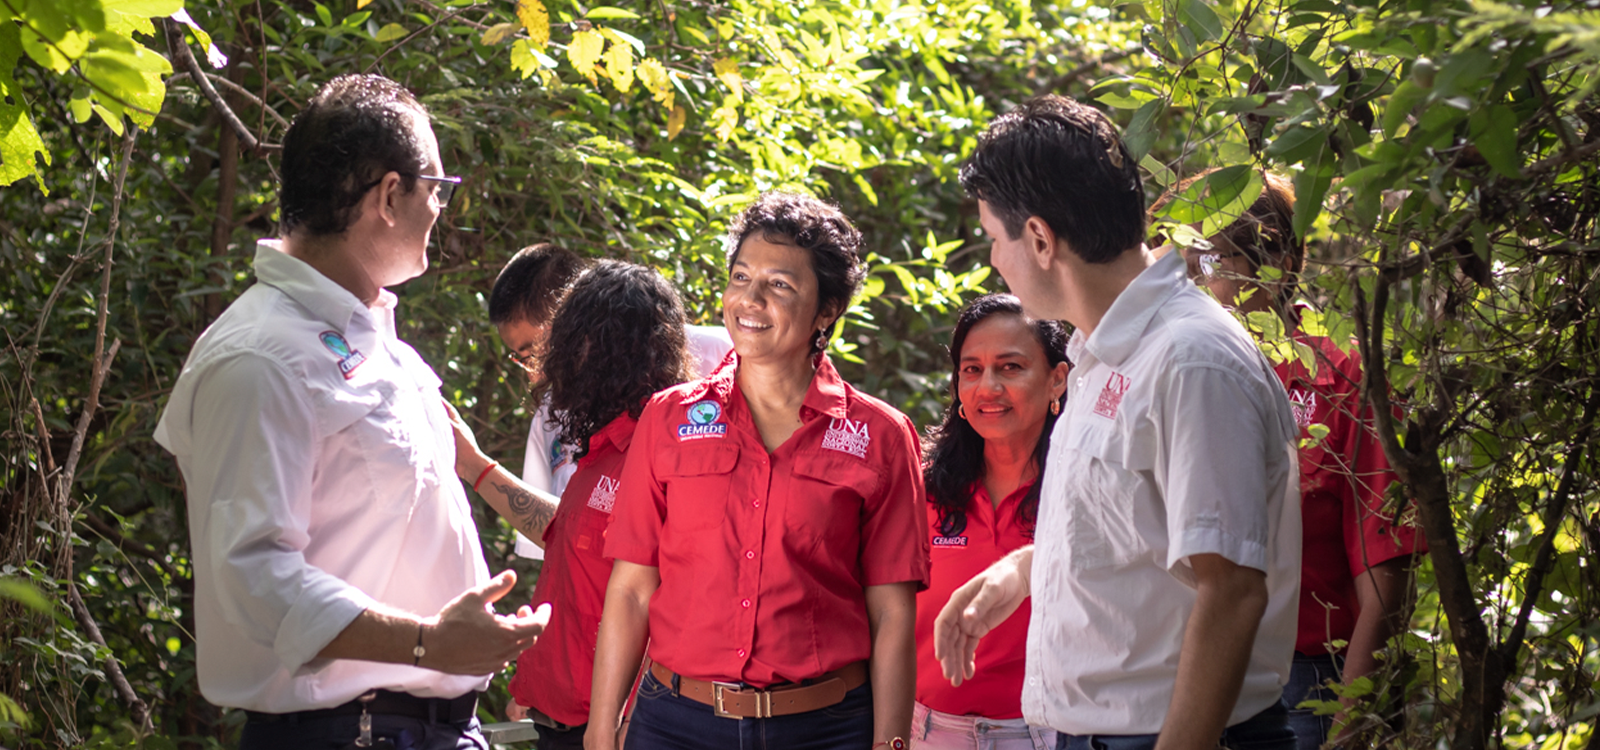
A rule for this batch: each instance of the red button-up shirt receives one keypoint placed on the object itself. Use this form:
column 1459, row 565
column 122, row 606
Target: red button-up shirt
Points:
column 764, row 557
column 995, row 690
column 1343, row 482
column 555, row 674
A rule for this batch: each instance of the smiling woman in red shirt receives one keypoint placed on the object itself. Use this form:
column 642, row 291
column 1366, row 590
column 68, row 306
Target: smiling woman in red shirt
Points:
column 1009, row 374
column 621, row 335
column 767, row 534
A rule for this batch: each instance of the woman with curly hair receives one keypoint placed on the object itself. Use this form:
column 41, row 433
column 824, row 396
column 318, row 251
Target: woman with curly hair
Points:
column 767, row 535
column 1007, row 380
column 620, row 332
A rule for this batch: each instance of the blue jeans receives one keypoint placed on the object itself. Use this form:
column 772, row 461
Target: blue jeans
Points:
column 1308, row 681
column 336, row 732
column 1268, row 730
column 663, row 721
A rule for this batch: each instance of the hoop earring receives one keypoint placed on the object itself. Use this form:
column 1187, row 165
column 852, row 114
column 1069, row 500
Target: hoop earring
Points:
column 1055, row 407
column 820, row 341
column 962, row 410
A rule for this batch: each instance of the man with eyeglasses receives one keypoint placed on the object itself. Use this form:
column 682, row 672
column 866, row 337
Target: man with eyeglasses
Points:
column 341, row 593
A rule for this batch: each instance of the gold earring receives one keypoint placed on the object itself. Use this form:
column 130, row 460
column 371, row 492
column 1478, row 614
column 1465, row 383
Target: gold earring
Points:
column 962, row 410
column 1055, row 406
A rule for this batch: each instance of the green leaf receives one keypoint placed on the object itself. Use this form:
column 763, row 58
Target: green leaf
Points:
column 497, row 33
column 324, row 14
column 1141, row 133
column 25, row 594
column 1310, row 187
column 1406, row 96
column 19, row 143
column 1298, row 143
column 1494, row 132
column 1200, row 18
column 608, row 13
column 390, row 32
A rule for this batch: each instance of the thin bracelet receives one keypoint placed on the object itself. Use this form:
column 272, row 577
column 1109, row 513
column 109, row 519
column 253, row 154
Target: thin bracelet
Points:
column 418, row 652
column 484, row 475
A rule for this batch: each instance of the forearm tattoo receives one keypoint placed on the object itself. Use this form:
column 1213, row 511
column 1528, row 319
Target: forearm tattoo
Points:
column 529, row 513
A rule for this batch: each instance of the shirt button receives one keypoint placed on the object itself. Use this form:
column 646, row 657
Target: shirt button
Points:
column 741, row 653
column 749, row 554
column 757, row 503
column 745, row 604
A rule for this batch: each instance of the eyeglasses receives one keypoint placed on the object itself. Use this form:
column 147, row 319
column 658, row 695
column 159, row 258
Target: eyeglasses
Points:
column 446, row 189
column 529, row 362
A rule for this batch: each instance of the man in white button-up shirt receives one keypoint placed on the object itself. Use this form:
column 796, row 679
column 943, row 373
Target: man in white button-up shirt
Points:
column 1165, row 575
column 340, row 589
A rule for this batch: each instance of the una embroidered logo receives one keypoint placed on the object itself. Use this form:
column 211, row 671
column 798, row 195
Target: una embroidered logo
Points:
column 703, row 416
column 349, row 359
column 1111, row 395
column 604, row 494
column 1304, row 404
column 847, row 435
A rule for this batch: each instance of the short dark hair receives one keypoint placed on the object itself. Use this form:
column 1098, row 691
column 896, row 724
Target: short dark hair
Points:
column 955, row 450
column 1063, row 162
column 530, row 286
column 618, row 338
column 356, row 129
column 812, row 225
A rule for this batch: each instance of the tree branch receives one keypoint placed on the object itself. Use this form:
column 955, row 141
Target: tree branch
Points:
column 141, row 710
column 181, row 54
column 237, row 89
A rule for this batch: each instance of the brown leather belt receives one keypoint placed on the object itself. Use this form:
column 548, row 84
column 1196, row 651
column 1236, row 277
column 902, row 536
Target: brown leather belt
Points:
column 730, row 700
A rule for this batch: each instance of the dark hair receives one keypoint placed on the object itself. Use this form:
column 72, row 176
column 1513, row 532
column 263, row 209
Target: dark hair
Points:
column 356, row 129
column 617, row 338
column 1265, row 232
column 812, row 225
column 955, row 451
column 1063, row 162
column 529, row 288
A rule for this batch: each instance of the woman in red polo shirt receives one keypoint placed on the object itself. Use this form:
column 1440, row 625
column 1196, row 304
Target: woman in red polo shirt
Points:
column 1008, row 376
column 767, row 535
column 620, row 332
column 1356, row 558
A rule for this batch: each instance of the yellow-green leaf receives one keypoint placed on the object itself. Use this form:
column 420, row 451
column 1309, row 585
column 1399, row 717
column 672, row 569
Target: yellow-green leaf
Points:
column 522, row 59
column 391, row 32
column 727, row 70
column 362, row 4
column 725, row 119
column 19, row 143
column 654, row 77
column 607, row 13
column 675, row 120
column 499, row 33
column 584, row 52
column 619, row 63
column 536, row 20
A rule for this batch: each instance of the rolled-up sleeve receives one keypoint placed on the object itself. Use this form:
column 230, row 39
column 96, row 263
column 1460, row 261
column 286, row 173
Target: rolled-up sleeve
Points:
column 1214, row 476
column 640, row 509
column 254, row 441
column 894, row 548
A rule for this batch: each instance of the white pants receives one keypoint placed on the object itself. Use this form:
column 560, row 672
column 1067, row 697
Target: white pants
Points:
column 935, row 730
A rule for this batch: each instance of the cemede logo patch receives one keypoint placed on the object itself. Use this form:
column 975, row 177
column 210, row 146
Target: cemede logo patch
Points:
column 848, row 436
column 703, row 416
column 950, row 542
column 349, row 359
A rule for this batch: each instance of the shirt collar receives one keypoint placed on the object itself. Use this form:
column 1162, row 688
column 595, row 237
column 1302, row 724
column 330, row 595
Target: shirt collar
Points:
column 618, row 433
column 825, row 395
column 1118, row 334
column 334, row 305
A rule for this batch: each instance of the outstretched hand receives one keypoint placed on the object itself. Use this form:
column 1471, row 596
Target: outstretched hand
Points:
column 468, row 637
column 469, row 459
column 976, row 608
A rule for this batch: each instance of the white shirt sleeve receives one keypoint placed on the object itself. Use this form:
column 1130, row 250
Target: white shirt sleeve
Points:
column 1214, row 476
column 255, row 436
column 536, row 472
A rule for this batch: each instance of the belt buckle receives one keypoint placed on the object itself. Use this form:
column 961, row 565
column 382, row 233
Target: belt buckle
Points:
column 763, row 701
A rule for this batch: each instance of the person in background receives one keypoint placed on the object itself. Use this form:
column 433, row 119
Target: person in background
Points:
column 1355, row 576
column 768, row 530
column 1008, row 376
column 1166, row 568
column 622, row 329
column 525, row 296
column 341, row 596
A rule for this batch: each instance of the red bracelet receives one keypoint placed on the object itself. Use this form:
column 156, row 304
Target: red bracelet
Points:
column 484, row 475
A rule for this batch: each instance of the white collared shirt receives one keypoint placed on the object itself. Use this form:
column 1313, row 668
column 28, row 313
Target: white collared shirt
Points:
column 320, row 471
column 548, row 463
column 1176, row 440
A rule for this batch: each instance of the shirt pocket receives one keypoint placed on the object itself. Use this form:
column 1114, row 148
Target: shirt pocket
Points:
column 699, row 481
column 1113, row 518
column 393, row 453
column 827, row 499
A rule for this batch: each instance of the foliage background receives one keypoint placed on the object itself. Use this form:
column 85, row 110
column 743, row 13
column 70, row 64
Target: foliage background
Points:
column 1444, row 153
